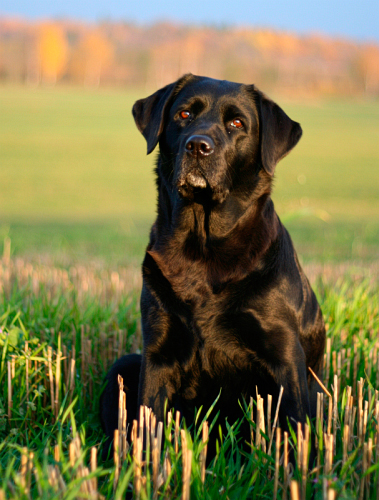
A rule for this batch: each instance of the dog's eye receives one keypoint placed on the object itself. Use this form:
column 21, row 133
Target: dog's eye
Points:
column 236, row 123
column 184, row 115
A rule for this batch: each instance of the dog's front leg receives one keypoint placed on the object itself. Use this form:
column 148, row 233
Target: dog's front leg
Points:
column 295, row 400
column 295, row 405
column 155, row 387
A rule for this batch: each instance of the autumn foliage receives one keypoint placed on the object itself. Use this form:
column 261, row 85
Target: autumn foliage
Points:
column 131, row 55
column 52, row 51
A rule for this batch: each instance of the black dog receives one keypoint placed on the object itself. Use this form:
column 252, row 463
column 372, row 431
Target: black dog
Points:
column 225, row 304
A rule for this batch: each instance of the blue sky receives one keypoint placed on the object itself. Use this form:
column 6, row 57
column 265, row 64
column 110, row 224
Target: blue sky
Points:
column 358, row 19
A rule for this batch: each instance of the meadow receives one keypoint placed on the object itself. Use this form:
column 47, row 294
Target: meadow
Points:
column 76, row 180
column 76, row 204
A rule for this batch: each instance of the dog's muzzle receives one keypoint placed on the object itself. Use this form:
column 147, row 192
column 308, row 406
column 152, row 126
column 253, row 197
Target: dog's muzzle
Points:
column 197, row 148
column 192, row 180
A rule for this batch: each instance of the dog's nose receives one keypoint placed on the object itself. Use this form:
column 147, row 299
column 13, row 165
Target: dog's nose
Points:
column 200, row 145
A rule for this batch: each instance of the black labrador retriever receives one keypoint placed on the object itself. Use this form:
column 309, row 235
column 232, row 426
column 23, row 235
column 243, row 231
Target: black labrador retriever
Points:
column 226, row 308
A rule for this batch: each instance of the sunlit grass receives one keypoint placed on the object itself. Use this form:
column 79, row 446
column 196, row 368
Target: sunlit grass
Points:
column 74, row 166
column 95, row 310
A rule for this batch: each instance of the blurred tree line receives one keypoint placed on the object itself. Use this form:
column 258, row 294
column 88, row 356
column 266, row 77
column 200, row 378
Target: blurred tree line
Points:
column 110, row 53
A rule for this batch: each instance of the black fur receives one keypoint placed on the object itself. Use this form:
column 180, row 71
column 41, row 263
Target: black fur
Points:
column 225, row 304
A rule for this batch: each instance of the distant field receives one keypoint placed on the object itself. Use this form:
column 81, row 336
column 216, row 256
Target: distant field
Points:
column 75, row 179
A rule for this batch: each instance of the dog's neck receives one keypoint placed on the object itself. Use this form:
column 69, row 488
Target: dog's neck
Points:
column 230, row 237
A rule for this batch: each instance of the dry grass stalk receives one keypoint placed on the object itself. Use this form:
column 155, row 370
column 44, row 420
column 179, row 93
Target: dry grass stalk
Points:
column 352, row 424
column 258, row 436
column 93, row 468
column 65, row 365
column 364, row 468
column 269, row 404
column 56, row 479
column 72, row 379
column 365, row 418
column 319, row 381
column 9, row 390
column 186, row 471
column 2, row 494
column 51, row 378
column 348, row 406
column 299, row 445
column 304, row 463
column 355, row 367
column 134, row 432
column 321, row 414
column 262, row 425
column 153, row 428
column 24, row 480
column 27, row 369
column 89, row 364
column 346, row 436
column 252, row 422
column 319, row 430
column 369, row 460
column 275, row 418
column 317, row 418
column 294, row 489
column 277, row 459
column 83, row 356
column 57, row 380
column 360, row 427
column 72, row 453
column 155, row 452
column 6, row 251
column 327, row 365
column 116, row 458
column 334, row 362
column 159, row 435
column 166, row 466
column 203, row 455
column 184, row 446
column 137, row 455
column 120, row 420
column 285, row 466
column 335, row 413
column 348, row 363
column 141, row 424
column 330, row 415
column 176, row 436
column 13, row 365
column 124, row 441
column 331, row 494
column 169, row 419
column 147, row 434
column 328, row 441
column 360, row 405
column 57, row 453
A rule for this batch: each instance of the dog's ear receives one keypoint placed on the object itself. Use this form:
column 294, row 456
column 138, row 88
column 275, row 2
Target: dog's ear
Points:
column 278, row 133
column 149, row 113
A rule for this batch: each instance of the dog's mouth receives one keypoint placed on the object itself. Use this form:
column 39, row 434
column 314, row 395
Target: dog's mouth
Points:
column 194, row 186
column 192, row 183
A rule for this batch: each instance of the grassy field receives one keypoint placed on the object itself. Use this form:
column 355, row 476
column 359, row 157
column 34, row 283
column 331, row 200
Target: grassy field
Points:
column 76, row 203
column 76, row 180
column 61, row 329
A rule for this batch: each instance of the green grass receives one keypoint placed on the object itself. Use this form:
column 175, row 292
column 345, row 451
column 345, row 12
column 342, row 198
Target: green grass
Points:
column 75, row 176
column 77, row 187
column 61, row 308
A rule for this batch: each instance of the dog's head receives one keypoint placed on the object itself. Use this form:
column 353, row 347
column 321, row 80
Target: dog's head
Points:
column 214, row 135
